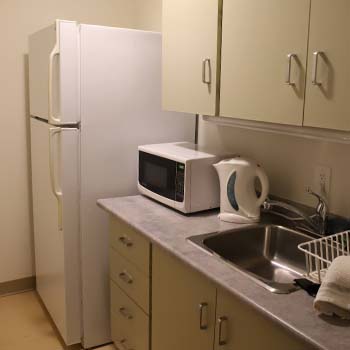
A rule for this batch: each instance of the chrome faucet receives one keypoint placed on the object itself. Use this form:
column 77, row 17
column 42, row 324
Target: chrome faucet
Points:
column 315, row 223
column 321, row 211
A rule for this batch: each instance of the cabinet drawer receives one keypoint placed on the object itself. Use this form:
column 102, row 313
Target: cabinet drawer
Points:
column 130, row 279
column 130, row 244
column 129, row 323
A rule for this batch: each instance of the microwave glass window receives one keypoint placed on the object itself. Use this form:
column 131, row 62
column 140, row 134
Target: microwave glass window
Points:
column 156, row 175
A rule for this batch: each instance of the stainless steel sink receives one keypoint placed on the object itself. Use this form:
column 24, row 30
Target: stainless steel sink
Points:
column 266, row 253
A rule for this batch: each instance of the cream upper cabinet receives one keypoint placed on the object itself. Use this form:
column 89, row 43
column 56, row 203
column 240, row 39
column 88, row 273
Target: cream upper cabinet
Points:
column 327, row 103
column 190, row 49
column 239, row 326
column 264, row 53
column 277, row 61
column 183, row 305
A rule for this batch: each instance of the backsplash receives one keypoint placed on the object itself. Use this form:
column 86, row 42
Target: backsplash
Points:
column 288, row 160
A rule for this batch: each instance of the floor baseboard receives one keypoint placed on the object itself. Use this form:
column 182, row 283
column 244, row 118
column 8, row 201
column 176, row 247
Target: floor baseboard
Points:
column 17, row 286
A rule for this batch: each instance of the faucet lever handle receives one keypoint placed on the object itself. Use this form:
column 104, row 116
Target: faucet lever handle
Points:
column 321, row 208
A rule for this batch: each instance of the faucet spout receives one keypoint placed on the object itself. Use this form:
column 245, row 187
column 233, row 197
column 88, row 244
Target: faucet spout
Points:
column 316, row 223
column 321, row 210
column 269, row 205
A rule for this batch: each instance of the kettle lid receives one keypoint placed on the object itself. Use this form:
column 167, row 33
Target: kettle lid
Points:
column 237, row 160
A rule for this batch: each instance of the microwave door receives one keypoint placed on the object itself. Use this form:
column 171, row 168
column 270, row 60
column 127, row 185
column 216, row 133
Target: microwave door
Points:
column 158, row 175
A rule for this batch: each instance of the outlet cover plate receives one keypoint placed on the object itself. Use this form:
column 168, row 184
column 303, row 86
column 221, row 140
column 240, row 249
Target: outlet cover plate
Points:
column 322, row 180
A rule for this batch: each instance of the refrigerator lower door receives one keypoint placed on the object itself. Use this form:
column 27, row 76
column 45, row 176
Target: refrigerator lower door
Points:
column 55, row 180
column 54, row 73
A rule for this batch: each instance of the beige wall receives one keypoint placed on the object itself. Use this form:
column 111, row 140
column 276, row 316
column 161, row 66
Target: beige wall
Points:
column 289, row 161
column 148, row 14
column 19, row 18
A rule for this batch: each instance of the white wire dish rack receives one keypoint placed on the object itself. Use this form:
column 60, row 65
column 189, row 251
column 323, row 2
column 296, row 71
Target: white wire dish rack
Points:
column 320, row 253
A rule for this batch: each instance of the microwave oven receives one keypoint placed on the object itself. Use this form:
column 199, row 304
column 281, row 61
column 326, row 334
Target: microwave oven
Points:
column 180, row 175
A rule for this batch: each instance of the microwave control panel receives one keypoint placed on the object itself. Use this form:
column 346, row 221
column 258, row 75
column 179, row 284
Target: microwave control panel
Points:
column 180, row 182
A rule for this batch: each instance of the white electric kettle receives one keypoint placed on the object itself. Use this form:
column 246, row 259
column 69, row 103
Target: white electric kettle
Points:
column 239, row 202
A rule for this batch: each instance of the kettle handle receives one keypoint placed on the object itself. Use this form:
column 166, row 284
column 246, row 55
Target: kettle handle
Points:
column 260, row 173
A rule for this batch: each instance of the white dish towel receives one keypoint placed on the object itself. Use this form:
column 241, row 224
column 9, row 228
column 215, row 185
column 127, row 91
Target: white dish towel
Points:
column 333, row 296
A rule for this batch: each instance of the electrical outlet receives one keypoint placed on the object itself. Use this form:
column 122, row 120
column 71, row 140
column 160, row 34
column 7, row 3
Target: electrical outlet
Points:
column 322, row 180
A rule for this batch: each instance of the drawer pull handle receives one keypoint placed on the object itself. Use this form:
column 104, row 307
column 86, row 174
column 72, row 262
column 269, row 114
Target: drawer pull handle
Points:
column 202, row 326
column 122, row 343
column 126, row 241
column 125, row 313
column 127, row 278
column 221, row 320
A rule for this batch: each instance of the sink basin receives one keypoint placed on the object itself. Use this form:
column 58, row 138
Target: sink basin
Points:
column 266, row 253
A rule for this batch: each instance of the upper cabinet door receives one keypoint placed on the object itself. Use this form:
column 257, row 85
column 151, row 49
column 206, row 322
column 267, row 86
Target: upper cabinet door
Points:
column 264, row 49
column 190, row 47
column 327, row 98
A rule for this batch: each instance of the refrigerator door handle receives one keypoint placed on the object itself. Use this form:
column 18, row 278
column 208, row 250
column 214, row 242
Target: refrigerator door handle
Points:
column 52, row 119
column 53, row 178
column 57, row 191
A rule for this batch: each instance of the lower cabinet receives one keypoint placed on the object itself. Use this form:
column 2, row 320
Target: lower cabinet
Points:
column 130, row 324
column 190, row 313
column 160, row 303
column 183, row 305
column 239, row 326
column 130, row 277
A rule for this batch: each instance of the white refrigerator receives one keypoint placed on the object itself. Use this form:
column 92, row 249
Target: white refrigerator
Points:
column 95, row 95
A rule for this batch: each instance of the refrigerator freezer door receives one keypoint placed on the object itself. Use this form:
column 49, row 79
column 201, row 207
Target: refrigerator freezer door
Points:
column 55, row 177
column 121, row 109
column 54, row 73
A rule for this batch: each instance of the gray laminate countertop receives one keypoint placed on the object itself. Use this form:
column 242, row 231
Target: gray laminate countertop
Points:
column 169, row 229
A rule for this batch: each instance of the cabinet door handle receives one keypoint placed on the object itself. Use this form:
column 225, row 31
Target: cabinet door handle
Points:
column 290, row 58
column 316, row 55
column 205, row 64
column 125, row 313
column 126, row 241
column 126, row 277
column 221, row 320
column 202, row 325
